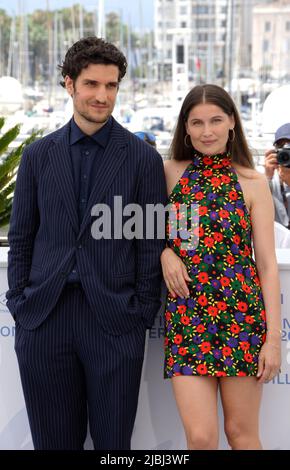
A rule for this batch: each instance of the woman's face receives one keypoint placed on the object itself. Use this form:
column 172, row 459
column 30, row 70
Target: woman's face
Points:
column 208, row 127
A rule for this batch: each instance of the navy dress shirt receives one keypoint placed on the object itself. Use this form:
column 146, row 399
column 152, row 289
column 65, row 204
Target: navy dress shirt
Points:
column 86, row 151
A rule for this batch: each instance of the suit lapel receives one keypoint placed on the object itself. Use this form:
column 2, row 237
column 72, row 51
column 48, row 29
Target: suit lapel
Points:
column 60, row 159
column 111, row 161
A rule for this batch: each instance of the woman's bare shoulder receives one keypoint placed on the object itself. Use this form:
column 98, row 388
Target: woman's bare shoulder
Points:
column 174, row 169
column 173, row 165
column 249, row 173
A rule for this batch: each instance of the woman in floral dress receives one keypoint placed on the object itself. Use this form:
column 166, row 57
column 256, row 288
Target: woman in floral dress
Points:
column 222, row 314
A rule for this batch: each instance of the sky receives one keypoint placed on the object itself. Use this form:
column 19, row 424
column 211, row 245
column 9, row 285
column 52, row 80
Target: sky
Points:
column 130, row 8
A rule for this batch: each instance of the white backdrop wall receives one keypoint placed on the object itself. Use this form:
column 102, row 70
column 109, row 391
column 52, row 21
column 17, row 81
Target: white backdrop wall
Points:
column 157, row 424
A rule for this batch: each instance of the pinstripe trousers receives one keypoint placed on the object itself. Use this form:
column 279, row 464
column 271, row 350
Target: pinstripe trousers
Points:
column 73, row 372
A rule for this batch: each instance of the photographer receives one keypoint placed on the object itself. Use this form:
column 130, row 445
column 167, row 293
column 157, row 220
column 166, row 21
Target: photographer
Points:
column 278, row 159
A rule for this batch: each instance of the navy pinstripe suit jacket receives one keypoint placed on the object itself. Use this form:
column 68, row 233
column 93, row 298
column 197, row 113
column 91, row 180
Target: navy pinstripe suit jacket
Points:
column 121, row 278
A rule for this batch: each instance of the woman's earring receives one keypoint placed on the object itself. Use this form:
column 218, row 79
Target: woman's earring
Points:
column 185, row 141
column 232, row 136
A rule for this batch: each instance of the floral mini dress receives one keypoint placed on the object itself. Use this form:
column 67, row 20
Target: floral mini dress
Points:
column 219, row 330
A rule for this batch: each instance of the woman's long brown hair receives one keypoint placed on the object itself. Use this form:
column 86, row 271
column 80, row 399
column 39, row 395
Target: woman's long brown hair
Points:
column 212, row 94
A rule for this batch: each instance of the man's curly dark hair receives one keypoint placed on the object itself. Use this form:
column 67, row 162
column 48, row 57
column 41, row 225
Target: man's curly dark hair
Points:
column 91, row 50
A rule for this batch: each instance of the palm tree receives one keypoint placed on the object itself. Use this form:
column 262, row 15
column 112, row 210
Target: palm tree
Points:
column 9, row 162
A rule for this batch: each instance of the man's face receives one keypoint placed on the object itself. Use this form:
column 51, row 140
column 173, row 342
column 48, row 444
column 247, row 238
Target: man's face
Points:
column 94, row 93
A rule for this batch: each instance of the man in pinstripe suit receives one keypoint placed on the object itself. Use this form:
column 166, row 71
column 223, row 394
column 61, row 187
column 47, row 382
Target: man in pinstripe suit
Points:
column 81, row 304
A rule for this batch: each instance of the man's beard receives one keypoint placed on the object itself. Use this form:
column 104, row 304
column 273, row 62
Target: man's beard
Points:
column 89, row 118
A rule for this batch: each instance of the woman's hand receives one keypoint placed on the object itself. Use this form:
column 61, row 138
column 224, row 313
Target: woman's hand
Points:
column 269, row 361
column 174, row 273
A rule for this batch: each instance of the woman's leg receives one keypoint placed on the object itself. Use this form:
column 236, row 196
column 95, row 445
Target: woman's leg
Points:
column 241, row 399
column 196, row 399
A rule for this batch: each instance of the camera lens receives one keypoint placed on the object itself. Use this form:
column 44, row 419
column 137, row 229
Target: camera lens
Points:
column 284, row 157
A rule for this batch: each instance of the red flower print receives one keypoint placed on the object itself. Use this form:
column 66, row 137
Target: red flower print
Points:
column 222, row 306
column 168, row 316
column 177, row 241
column 198, row 231
column 220, row 373
column 244, row 345
column 170, row 361
column 183, row 253
column 202, row 210
column 263, row 315
column 181, row 309
column 235, row 329
column 247, row 252
column 225, row 179
column 226, row 162
column 205, row 347
column 233, row 195
column 227, row 351
column 199, row 196
column 182, row 351
column 240, row 212
column 225, row 281
column 249, row 319
column 213, row 311
column 207, row 160
column 218, row 236
column 207, row 173
column 240, row 277
column 202, row 300
column 248, row 357
column 252, row 271
column 185, row 190
column 241, row 374
column 208, row 241
column 237, row 239
column 230, row 259
column 203, row 277
column 196, row 259
column 242, row 306
column 178, row 339
column 215, row 182
column 201, row 369
column 246, row 288
column 223, row 214
column 184, row 181
column 166, row 341
column 200, row 328
column 243, row 223
column 185, row 320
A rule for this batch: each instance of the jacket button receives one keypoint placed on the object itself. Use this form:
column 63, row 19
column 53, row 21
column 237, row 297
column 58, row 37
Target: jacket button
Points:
column 80, row 246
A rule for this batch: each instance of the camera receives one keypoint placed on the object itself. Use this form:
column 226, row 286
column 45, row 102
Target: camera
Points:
column 283, row 155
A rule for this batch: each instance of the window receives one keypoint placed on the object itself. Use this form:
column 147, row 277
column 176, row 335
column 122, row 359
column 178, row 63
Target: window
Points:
column 265, row 45
column 200, row 9
column 202, row 37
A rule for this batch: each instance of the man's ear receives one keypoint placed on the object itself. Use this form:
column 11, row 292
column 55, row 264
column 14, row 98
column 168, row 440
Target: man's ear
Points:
column 69, row 84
